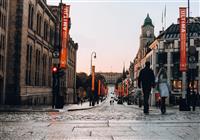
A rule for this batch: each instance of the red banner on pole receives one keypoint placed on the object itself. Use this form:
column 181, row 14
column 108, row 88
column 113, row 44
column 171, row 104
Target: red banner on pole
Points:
column 64, row 35
column 99, row 88
column 182, row 12
column 122, row 89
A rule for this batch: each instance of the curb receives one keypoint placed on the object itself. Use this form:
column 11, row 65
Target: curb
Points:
column 30, row 110
column 86, row 108
column 47, row 110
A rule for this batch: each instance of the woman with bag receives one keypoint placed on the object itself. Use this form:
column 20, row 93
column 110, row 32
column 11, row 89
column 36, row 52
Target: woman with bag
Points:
column 163, row 87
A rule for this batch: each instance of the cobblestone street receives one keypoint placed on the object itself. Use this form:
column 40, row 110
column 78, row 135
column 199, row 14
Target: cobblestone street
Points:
column 102, row 122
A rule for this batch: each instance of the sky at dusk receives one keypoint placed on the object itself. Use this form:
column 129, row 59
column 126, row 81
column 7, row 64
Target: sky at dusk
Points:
column 112, row 28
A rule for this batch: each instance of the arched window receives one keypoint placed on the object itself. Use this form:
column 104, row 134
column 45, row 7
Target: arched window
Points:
column 37, row 68
column 50, row 72
column 28, row 64
column 39, row 24
column 44, row 72
column 46, row 28
column 30, row 16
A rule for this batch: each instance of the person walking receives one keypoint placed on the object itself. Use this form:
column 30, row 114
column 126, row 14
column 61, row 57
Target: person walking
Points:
column 146, row 81
column 163, row 87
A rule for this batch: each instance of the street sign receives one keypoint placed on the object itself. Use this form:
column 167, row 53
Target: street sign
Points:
column 55, row 60
column 56, row 54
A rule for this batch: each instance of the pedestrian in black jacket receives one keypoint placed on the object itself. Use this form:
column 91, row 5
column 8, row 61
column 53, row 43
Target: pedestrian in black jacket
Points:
column 146, row 81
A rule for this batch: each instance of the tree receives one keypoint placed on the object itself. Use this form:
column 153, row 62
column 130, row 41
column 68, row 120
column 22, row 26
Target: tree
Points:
column 81, row 79
column 119, row 80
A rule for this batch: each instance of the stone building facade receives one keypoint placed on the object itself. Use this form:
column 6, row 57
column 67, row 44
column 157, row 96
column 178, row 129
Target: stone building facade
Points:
column 4, row 14
column 111, row 77
column 70, row 94
column 29, row 58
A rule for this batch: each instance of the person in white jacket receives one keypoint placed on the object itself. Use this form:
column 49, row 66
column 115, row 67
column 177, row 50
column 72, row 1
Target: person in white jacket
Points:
column 163, row 87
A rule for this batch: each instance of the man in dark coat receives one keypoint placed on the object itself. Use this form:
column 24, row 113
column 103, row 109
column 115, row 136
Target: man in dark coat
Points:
column 146, row 81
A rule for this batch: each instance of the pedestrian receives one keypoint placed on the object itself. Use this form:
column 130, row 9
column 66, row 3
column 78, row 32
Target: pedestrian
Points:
column 163, row 87
column 146, row 81
column 194, row 100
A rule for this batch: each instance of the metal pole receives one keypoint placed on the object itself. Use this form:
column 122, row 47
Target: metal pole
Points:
column 188, row 45
column 60, row 46
column 183, row 85
column 91, row 61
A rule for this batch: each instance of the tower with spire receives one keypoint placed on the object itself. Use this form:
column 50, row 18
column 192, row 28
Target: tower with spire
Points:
column 147, row 35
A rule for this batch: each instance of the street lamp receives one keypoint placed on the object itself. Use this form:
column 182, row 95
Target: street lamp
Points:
column 93, row 82
column 91, row 61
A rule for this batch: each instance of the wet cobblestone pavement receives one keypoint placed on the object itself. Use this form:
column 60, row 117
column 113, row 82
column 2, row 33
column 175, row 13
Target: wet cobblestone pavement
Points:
column 102, row 122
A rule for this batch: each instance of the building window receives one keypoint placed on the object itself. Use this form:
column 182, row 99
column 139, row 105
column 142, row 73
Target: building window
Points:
column 3, row 4
column 46, row 31
column 37, row 68
column 176, row 85
column 162, row 58
column 52, row 36
column 2, row 42
column 176, row 61
column 39, row 24
column 2, row 20
column 28, row 64
column 197, row 42
column 30, row 16
column 50, row 73
column 44, row 72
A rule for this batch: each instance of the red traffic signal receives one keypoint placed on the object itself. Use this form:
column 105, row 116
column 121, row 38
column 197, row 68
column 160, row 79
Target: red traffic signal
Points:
column 55, row 69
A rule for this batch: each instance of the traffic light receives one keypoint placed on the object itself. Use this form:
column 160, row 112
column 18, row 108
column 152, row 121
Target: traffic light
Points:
column 55, row 77
column 54, row 69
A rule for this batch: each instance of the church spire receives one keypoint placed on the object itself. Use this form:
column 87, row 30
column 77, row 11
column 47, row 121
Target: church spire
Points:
column 148, row 21
column 124, row 72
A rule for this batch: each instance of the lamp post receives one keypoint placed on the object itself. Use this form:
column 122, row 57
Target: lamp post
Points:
column 56, row 65
column 92, row 69
column 91, row 60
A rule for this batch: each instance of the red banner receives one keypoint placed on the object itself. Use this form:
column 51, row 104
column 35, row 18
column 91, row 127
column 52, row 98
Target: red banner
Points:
column 122, row 89
column 64, row 35
column 99, row 88
column 182, row 12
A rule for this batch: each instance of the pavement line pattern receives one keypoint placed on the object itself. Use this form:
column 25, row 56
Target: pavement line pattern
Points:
column 116, row 130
